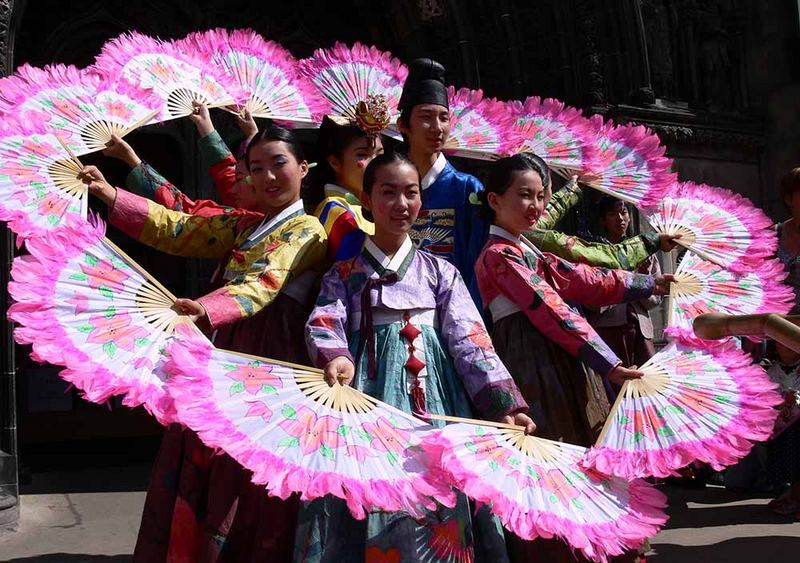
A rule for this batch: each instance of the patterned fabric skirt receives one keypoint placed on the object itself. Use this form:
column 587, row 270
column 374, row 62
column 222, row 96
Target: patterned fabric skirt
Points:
column 568, row 402
column 201, row 506
column 326, row 530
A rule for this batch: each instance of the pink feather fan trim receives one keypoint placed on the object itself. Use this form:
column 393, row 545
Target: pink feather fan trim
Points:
column 480, row 124
column 117, row 53
column 629, row 160
column 35, row 278
column 192, row 390
column 213, row 45
column 643, row 517
column 565, row 138
column 753, row 423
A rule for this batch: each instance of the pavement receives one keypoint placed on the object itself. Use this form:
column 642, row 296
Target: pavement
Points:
column 92, row 515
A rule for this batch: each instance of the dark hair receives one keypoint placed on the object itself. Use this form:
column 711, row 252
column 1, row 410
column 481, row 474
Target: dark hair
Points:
column 790, row 184
column 501, row 174
column 270, row 133
column 333, row 139
column 609, row 203
column 404, row 118
column 385, row 159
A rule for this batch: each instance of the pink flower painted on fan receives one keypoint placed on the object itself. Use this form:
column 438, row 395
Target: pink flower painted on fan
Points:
column 487, row 449
column 143, row 363
column 163, row 72
column 35, row 116
column 386, row 437
column 117, row 108
column 67, row 108
column 721, row 245
column 714, row 223
column 692, row 310
column 21, row 197
column 260, row 409
column 21, row 174
column 476, row 139
column 254, row 377
column 33, row 147
column 53, row 205
column 359, row 452
column 557, row 484
column 313, row 433
column 526, row 479
column 211, row 87
column 647, row 423
column 81, row 303
column 117, row 330
column 699, row 403
column 104, row 273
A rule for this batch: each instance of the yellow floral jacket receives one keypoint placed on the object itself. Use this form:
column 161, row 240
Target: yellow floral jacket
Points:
column 263, row 257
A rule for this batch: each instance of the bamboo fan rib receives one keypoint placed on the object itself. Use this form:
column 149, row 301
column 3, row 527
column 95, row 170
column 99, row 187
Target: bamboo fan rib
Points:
column 692, row 404
column 537, row 488
column 541, row 450
column 66, row 175
column 266, row 73
column 716, row 224
column 40, row 185
column 702, row 286
column 88, row 306
column 297, row 434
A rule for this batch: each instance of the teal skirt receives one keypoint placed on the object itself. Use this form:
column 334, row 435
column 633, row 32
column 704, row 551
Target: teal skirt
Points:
column 328, row 533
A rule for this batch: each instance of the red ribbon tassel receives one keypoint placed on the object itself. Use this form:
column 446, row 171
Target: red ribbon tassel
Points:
column 414, row 366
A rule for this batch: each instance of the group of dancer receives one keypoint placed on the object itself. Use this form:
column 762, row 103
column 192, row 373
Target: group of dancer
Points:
column 386, row 287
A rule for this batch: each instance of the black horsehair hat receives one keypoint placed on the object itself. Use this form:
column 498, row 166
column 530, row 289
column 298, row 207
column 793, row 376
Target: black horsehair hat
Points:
column 424, row 85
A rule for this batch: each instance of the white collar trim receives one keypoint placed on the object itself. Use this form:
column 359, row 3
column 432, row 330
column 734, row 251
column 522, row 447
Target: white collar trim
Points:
column 432, row 174
column 267, row 224
column 390, row 264
column 501, row 232
column 524, row 243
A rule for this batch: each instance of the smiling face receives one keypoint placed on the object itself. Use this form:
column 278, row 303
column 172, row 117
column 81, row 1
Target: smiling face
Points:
column 428, row 128
column 518, row 208
column 276, row 176
column 350, row 165
column 395, row 198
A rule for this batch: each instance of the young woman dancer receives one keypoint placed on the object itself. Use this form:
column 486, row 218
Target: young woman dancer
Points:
column 400, row 325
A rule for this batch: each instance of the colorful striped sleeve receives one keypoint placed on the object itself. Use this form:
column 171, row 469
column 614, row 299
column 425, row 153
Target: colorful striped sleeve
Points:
column 344, row 235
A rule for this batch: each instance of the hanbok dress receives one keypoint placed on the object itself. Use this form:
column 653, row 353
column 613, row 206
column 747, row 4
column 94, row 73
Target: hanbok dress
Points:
column 449, row 224
column 201, row 505
column 341, row 215
column 431, row 351
column 553, row 353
